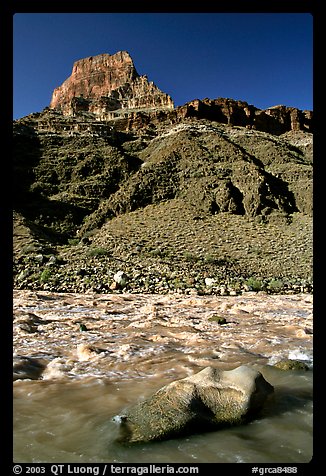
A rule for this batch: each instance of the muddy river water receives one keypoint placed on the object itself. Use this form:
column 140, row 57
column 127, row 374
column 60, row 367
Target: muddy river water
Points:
column 81, row 359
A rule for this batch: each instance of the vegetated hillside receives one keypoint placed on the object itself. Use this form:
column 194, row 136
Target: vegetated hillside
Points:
column 169, row 203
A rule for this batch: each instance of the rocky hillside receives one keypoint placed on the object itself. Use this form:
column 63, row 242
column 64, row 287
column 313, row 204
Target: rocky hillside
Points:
column 215, row 193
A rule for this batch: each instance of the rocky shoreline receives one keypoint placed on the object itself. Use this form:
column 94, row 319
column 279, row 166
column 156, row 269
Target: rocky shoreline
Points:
column 164, row 249
column 106, row 275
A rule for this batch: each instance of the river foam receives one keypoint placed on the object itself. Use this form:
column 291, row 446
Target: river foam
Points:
column 133, row 345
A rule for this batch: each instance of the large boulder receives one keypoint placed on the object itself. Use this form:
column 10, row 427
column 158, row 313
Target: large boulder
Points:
column 27, row 367
column 291, row 364
column 208, row 400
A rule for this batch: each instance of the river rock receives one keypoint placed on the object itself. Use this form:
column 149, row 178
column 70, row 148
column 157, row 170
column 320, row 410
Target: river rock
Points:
column 209, row 282
column 208, row 400
column 121, row 278
column 25, row 367
column 291, row 364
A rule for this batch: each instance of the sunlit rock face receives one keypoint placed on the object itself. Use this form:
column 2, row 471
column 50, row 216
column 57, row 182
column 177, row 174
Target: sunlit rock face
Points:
column 207, row 400
column 275, row 120
column 105, row 83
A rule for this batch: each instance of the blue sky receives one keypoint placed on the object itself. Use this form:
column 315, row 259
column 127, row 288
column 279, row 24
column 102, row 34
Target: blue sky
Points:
column 265, row 59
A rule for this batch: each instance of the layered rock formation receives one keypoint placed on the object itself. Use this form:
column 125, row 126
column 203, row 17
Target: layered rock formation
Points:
column 105, row 83
column 109, row 88
column 111, row 145
column 204, row 401
column 100, row 171
column 275, row 120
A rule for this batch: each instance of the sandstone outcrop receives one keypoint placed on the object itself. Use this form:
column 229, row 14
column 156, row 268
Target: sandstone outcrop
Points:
column 107, row 86
column 274, row 120
column 205, row 401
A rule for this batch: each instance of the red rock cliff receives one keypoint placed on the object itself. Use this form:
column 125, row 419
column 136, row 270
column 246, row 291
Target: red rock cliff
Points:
column 105, row 83
column 275, row 120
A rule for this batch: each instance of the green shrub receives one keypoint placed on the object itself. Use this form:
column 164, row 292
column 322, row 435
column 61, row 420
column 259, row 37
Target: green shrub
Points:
column 45, row 275
column 275, row 285
column 254, row 283
column 209, row 259
column 73, row 241
column 190, row 257
column 178, row 283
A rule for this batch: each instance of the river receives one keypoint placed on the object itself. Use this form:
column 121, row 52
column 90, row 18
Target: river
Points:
column 81, row 359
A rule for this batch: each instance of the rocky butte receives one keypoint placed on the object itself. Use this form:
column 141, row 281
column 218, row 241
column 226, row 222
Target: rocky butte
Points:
column 108, row 86
column 112, row 177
